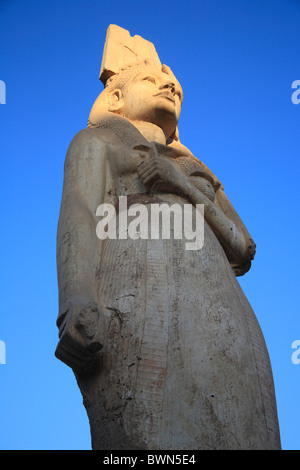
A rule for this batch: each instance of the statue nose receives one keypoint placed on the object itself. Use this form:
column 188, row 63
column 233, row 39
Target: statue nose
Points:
column 169, row 85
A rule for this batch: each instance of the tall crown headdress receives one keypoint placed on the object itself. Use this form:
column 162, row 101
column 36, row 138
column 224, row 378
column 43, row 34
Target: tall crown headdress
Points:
column 122, row 50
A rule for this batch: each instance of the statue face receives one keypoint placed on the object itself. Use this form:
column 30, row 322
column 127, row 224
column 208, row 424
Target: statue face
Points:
column 153, row 96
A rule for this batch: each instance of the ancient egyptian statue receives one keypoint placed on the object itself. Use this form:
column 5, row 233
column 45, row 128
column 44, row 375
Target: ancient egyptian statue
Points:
column 165, row 347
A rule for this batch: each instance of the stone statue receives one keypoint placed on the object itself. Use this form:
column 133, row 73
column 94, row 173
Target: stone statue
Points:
column 164, row 345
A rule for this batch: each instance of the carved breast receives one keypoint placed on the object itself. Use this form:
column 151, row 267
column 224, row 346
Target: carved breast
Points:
column 204, row 185
column 198, row 176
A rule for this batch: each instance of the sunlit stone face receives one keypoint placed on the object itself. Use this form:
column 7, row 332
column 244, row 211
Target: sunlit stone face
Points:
column 153, row 96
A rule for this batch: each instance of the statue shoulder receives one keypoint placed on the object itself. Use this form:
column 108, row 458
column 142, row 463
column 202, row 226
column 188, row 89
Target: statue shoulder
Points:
column 90, row 138
column 89, row 146
column 86, row 155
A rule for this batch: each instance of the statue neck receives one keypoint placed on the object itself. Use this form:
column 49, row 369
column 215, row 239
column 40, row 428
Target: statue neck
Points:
column 150, row 131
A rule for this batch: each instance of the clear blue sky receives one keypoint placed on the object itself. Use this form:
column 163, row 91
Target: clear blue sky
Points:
column 236, row 61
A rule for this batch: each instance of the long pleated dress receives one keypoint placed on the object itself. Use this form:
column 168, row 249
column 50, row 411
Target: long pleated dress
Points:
column 184, row 363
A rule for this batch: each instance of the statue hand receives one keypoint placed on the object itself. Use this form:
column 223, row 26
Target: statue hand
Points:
column 80, row 333
column 158, row 173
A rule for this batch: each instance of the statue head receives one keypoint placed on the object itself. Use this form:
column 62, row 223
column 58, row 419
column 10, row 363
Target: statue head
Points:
column 142, row 92
column 137, row 86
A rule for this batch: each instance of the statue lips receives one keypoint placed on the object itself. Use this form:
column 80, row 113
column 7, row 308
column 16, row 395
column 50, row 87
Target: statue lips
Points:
column 166, row 94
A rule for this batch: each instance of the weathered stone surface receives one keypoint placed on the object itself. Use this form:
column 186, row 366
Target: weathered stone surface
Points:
column 165, row 347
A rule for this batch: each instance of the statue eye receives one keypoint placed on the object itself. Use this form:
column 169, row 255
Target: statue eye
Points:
column 150, row 79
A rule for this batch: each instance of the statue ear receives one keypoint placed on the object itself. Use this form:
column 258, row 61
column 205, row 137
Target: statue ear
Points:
column 115, row 101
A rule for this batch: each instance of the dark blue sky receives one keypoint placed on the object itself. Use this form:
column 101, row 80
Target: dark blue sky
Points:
column 236, row 61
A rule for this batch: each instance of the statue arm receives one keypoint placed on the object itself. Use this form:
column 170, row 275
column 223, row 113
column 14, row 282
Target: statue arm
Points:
column 242, row 264
column 220, row 215
column 80, row 318
column 227, row 226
